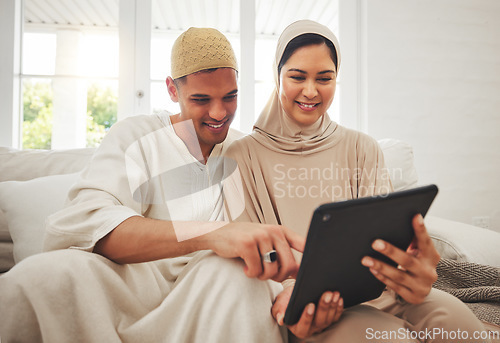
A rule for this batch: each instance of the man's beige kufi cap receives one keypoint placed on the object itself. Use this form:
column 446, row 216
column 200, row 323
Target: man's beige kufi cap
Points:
column 200, row 49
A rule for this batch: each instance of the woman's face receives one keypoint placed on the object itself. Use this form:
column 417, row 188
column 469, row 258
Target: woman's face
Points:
column 307, row 84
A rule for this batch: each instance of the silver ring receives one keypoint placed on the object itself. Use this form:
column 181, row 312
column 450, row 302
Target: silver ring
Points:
column 270, row 256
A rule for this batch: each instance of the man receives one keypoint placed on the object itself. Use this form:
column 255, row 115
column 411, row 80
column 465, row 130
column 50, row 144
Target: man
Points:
column 165, row 267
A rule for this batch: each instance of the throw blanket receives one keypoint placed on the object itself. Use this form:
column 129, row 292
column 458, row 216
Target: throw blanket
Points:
column 476, row 285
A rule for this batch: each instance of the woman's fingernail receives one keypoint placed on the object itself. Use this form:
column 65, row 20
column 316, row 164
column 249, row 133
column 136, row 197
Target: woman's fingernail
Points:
column 310, row 309
column 336, row 297
column 378, row 245
column 328, row 298
column 367, row 262
column 420, row 219
column 279, row 318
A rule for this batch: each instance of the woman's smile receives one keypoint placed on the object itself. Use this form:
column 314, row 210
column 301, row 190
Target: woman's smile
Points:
column 307, row 106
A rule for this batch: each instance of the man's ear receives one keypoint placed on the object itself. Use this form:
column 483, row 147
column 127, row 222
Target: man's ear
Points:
column 172, row 89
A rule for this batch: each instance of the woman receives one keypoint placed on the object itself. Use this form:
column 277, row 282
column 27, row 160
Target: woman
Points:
column 296, row 159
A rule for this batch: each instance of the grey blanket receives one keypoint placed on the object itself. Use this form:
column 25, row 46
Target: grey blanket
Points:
column 476, row 285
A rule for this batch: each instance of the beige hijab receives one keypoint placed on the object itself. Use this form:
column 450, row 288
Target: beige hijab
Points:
column 275, row 124
column 285, row 171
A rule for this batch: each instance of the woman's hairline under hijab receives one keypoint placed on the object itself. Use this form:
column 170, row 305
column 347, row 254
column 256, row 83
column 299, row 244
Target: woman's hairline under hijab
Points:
column 303, row 40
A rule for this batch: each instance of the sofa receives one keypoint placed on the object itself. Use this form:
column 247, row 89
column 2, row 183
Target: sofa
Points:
column 34, row 184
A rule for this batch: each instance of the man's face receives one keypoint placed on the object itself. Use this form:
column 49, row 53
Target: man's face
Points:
column 209, row 99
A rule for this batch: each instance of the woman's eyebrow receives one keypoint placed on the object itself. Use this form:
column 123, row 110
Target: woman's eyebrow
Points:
column 297, row 70
column 304, row 72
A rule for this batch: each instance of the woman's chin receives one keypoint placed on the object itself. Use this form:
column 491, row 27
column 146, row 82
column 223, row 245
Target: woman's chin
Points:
column 305, row 120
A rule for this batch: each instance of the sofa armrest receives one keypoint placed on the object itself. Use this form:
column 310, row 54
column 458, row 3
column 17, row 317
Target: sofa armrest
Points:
column 464, row 242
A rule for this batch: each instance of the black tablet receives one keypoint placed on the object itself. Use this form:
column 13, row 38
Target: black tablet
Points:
column 341, row 234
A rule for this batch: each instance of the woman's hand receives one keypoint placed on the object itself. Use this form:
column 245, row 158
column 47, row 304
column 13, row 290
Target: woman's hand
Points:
column 416, row 273
column 313, row 320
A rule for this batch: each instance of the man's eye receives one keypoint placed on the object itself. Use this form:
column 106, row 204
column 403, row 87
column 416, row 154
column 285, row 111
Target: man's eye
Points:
column 200, row 100
column 230, row 97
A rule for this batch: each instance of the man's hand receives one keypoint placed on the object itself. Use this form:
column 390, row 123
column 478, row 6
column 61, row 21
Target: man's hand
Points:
column 416, row 272
column 249, row 241
column 314, row 319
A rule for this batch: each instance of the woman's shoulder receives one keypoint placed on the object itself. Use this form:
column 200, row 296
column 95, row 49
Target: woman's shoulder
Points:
column 360, row 139
column 241, row 145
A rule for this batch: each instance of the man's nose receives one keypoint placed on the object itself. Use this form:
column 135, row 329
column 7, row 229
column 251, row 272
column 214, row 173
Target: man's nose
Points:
column 217, row 111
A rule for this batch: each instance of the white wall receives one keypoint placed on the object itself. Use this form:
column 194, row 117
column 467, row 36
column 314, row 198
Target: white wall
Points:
column 433, row 80
column 10, row 33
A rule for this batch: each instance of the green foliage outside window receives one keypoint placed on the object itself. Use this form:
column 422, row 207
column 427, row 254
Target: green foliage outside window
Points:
column 102, row 105
column 38, row 109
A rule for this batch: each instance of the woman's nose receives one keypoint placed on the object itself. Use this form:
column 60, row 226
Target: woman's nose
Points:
column 310, row 90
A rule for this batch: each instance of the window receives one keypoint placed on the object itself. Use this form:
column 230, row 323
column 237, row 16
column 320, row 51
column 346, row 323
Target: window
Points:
column 69, row 77
column 72, row 87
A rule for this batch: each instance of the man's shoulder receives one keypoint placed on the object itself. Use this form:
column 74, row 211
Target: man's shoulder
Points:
column 132, row 129
column 140, row 122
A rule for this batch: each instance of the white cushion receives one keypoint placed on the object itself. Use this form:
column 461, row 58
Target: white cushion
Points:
column 27, row 204
column 398, row 157
column 464, row 242
column 22, row 165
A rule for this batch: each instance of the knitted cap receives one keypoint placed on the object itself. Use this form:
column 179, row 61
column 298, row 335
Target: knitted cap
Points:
column 199, row 49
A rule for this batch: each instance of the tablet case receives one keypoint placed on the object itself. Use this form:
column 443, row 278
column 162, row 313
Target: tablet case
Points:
column 341, row 234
